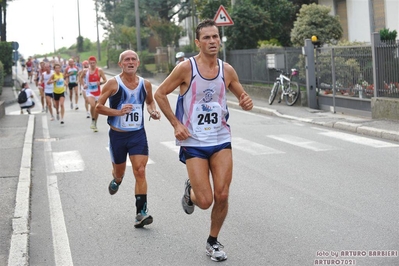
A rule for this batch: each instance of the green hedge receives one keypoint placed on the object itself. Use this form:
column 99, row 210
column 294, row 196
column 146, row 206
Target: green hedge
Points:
column 6, row 57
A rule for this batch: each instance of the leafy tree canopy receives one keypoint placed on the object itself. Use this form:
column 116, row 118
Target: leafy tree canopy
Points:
column 254, row 20
column 316, row 20
column 251, row 24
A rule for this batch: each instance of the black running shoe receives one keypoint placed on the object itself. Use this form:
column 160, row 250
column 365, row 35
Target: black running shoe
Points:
column 142, row 219
column 113, row 187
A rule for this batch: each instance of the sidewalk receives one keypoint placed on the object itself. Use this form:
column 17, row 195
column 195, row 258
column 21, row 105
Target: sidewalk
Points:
column 16, row 136
column 16, row 140
column 384, row 129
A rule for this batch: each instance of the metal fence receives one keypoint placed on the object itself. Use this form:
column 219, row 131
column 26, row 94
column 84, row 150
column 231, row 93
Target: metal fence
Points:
column 386, row 63
column 354, row 70
column 258, row 65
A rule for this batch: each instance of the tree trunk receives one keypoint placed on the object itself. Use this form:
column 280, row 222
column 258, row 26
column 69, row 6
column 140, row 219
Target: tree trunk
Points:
column 4, row 30
column 1, row 22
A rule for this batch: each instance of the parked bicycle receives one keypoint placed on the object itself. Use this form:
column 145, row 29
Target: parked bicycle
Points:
column 290, row 90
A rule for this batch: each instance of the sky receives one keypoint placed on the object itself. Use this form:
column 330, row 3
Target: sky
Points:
column 30, row 23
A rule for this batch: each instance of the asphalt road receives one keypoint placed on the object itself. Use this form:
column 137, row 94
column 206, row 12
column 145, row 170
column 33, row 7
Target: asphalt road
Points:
column 301, row 195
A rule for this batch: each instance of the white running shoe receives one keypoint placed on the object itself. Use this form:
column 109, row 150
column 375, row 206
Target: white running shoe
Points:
column 215, row 251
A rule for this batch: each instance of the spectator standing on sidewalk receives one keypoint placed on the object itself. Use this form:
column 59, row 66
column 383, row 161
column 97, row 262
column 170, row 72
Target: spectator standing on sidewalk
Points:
column 127, row 93
column 201, row 129
column 29, row 103
column 94, row 77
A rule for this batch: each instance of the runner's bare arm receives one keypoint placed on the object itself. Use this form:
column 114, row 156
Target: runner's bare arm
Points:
column 151, row 105
column 109, row 89
column 234, row 85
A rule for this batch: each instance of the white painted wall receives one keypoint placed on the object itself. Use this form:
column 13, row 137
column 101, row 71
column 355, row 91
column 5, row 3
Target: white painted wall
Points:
column 392, row 15
column 358, row 20
column 329, row 3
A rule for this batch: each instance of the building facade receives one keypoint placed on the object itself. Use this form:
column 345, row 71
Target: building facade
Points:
column 359, row 18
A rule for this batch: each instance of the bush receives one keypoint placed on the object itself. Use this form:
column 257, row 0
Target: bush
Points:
column 113, row 55
column 6, row 57
column 387, row 35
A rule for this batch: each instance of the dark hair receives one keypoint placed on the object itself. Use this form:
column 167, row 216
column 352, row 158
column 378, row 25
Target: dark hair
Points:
column 23, row 85
column 203, row 24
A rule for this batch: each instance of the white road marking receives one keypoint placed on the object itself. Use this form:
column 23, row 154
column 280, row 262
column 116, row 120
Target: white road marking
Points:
column 68, row 161
column 303, row 143
column 252, row 147
column 62, row 250
column 359, row 139
column 129, row 163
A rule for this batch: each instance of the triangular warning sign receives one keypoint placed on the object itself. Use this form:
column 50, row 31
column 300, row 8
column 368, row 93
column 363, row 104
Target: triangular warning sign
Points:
column 222, row 18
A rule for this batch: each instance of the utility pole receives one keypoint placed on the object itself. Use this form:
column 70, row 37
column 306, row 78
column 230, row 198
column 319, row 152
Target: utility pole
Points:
column 78, row 18
column 137, row 15
column 192, row 22
column 98, row 35
column 53, row 31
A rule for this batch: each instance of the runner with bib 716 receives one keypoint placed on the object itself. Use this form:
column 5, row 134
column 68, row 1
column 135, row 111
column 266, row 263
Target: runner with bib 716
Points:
column 290, row 90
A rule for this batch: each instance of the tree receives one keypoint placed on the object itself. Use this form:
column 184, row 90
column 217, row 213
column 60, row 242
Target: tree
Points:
column 267, row 19
column 208, row 9
column 282, row 17
column 316, row 20
column 3, row 20
column 154, row 14
column 251, row 24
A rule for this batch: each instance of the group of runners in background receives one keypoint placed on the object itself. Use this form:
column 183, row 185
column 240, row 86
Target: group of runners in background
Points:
column 57, row 77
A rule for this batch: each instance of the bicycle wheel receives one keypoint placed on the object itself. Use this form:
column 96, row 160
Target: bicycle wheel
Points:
column 273, row 92
column 293, row 93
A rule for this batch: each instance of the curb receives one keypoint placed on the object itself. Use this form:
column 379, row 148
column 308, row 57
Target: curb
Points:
column 19, row 252
column 346, row 126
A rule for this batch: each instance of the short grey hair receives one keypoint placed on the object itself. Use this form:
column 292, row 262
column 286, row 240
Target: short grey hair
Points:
column 121, row 55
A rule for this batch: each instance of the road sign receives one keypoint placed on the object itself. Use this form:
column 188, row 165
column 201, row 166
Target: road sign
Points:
column 15, row 45
column 222, row 18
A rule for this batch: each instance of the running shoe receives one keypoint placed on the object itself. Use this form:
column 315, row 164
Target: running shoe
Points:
column 62, row 122
column 143, row 218
column 58, row 116
column 95, row 129
column 87, row 115
column 77, row 107
column 28, row 110
column 113, row 187
column 52, row 118
column 188, row 205
column 93, row 125
column 71, row 106
column 215, row 251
